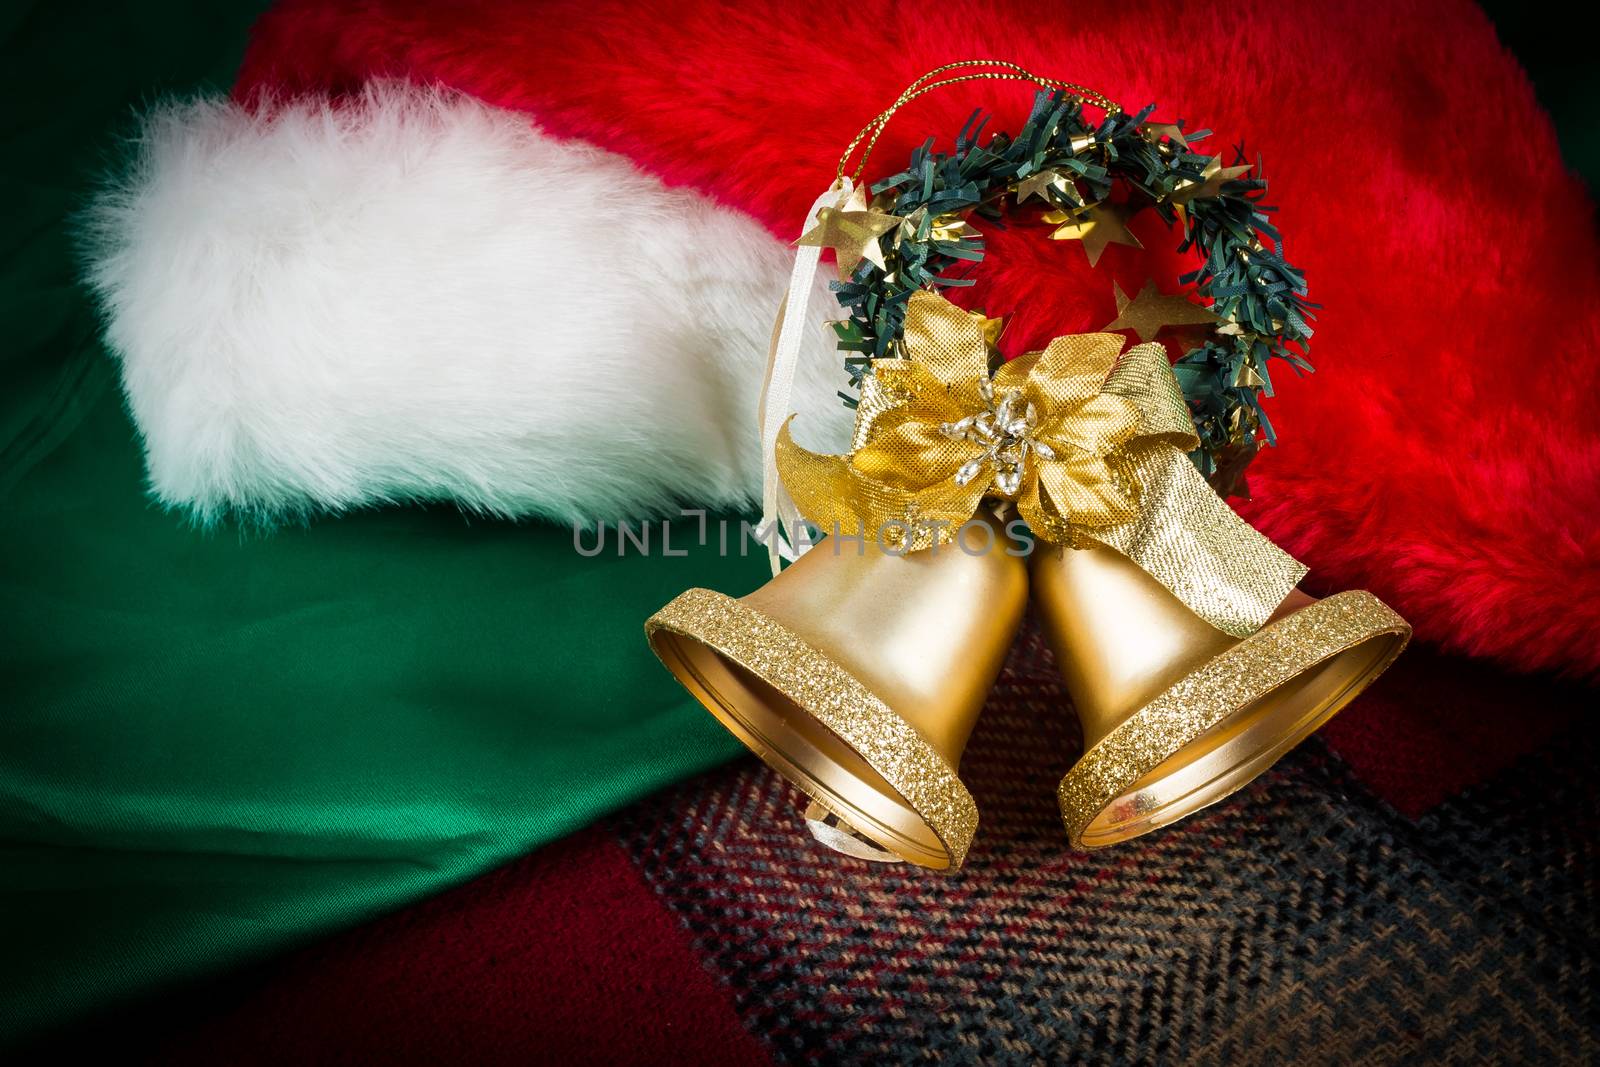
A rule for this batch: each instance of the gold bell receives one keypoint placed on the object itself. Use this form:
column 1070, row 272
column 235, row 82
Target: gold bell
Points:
column 1175, row 713
column 858, row 674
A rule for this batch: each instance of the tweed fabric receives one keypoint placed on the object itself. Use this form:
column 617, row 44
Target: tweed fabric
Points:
column 1303, row 920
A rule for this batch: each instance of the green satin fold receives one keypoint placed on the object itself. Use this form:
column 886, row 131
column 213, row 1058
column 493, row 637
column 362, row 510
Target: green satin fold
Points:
column 214, row 746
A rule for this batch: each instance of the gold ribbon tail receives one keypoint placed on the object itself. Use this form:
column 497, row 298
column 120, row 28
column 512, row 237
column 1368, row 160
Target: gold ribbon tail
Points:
column 1186, row 536
column 1192, row 542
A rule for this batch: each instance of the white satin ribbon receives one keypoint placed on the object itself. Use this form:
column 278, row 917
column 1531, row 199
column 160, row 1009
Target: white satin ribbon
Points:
column 787, row 541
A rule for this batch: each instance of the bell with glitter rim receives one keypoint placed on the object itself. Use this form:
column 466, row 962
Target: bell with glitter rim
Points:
column 1175, row 713
column 858, row 674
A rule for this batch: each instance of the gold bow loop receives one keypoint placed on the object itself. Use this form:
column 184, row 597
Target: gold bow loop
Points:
column 1086, row 440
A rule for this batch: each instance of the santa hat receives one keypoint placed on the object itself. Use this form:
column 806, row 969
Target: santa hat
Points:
column 407, row 295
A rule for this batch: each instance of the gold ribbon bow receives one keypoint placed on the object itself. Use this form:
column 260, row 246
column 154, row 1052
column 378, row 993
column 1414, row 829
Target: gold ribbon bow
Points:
column 1086, row 440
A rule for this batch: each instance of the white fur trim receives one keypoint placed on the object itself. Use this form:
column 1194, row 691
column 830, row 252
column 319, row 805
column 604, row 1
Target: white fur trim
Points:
column 415, row 296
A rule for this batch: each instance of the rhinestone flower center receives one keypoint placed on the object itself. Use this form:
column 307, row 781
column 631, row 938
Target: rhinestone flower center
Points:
column 1005, row 432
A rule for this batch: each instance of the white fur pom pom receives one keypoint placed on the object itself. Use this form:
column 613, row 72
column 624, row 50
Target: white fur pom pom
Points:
column 414, row 296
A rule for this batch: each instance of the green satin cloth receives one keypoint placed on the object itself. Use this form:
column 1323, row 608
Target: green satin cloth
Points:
column 216, row 745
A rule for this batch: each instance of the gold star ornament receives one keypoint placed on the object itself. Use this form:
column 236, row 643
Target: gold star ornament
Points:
column 1210, row 183
column 1049, row 179
column 1096, row 226
column 852, row 232
column 1170, row 130
column 947, row 227
column 1149, row 312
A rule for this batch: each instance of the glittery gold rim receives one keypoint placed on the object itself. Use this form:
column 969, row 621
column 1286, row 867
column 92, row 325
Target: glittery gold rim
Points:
column 1228, row 683
column 835, row 698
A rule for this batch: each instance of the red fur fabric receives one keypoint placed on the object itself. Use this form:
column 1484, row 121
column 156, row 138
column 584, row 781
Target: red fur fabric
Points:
column 1446, row 454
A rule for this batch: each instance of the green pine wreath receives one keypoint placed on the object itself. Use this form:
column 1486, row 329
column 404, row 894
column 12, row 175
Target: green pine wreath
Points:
column 1257, row 296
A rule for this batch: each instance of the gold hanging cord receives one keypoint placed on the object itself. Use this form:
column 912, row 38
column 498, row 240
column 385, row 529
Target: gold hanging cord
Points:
column 1008, row 72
